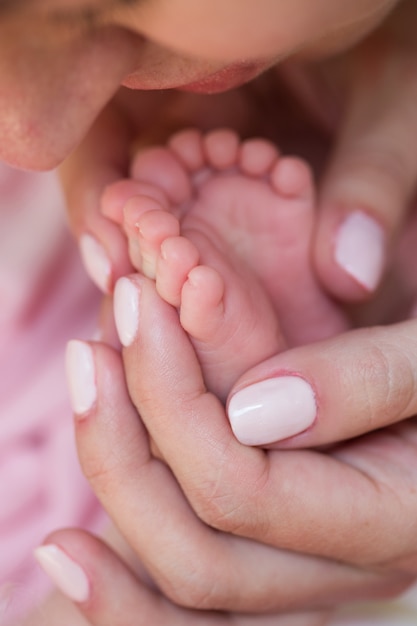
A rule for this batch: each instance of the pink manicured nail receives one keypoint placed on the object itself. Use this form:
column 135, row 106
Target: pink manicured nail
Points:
column 67, row 575
column 272, row 410
column 96, row 262
column 126, row 310
column 360, row 249
column 81, row 376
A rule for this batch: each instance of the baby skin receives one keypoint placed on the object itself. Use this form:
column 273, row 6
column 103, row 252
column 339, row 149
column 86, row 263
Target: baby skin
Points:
column 224, row 228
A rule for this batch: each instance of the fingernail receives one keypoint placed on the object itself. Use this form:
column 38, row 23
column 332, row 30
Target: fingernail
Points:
column 81, row 376
column 96, row 262
column 272, row 410
column 126, row 310
column 67, row 575
column 360, row 249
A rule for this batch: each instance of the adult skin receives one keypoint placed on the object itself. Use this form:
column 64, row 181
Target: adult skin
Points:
column 275, row 497
column 119, row 597
column 77, row 74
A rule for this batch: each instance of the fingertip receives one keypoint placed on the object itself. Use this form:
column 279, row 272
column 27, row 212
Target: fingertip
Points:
column 81, row 376
column 359, row 249
column 104, row 252
column 64, row 570
column 272, row 410
column 90, row 574
column 126, row 310
column 96, row 262
column 350, row 254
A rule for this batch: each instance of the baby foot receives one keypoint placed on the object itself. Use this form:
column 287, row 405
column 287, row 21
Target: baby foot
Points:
column 229, row 245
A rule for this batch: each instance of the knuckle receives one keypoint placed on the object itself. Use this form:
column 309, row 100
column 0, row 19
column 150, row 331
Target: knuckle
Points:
column 229, row 502
column 220, row 511
column 379, row 175
column 401, row 390
column 94, row 467
column 197, row 587
column 100, row 474
column 106, row 467
column 389, row 385
column 388, row 165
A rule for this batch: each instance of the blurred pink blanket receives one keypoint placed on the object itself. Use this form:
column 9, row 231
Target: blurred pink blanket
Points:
column 45, row 299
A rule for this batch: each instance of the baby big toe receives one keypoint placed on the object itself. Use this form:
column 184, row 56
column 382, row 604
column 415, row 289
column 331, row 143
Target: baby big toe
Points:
column 161, row 167
column 202, row 305
column 153, row 228
column 178, row 256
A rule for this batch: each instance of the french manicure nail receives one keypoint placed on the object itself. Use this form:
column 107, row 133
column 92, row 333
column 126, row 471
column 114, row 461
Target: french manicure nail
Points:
column 67, row 575
column 272, row 410
column 96, row 262
column 360, row 249
column 81, row 376
column 126, row 310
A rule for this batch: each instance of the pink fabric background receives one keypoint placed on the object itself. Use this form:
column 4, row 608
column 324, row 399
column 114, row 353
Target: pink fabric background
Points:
column 45, row 299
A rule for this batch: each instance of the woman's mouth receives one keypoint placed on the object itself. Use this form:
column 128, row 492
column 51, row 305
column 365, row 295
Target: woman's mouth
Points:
column 221, row 80
column 227, row 78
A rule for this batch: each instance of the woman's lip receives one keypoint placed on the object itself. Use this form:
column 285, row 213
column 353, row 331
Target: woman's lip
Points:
column 216, row 82
column 227, row 78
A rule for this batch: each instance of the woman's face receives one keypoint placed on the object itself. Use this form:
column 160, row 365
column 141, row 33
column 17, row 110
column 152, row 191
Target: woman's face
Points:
column 62, row 60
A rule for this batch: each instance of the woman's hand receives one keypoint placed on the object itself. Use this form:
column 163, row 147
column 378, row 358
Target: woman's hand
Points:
column 293, row 500
column 305, row 502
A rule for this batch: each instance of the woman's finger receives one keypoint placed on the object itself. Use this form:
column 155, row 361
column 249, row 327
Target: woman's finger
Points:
column 101, row 159
column 108, row 593
column 192, row 564
column 372, row 174
column 330, row 391
column 354, row 384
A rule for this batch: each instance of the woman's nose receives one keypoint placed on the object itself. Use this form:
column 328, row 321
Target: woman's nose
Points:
column 50, row 98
